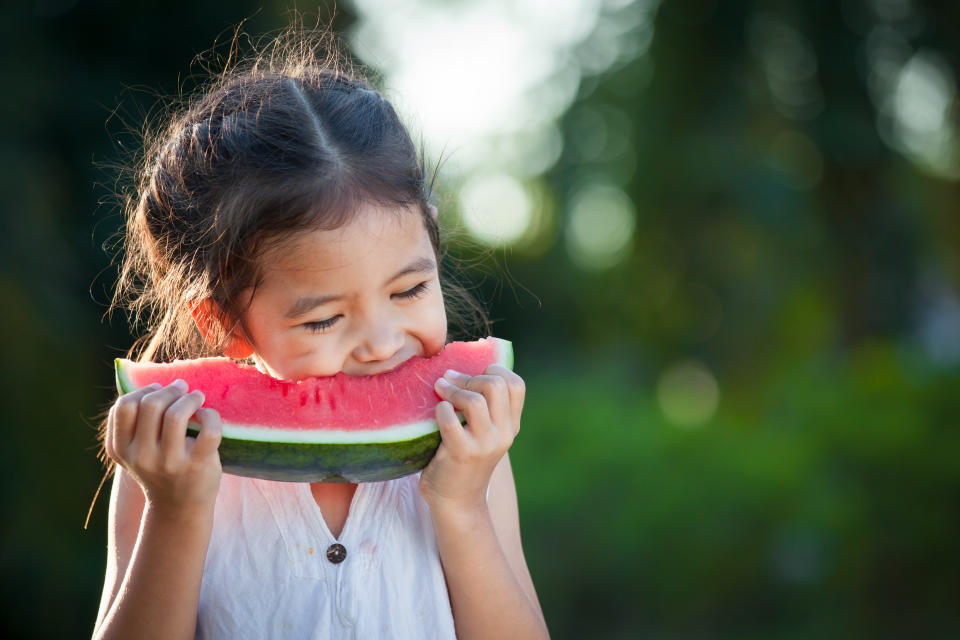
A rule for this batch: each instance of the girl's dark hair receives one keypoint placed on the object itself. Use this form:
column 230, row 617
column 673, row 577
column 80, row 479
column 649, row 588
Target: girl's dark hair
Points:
column 290, row 140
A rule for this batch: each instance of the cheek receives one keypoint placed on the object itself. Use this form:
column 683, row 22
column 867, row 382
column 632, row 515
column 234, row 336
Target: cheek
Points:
column 433, row 323
column 306, row 359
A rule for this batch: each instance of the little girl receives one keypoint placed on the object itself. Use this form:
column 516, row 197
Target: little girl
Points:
column 283, row 217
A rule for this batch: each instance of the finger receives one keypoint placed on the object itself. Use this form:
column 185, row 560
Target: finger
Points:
column 451, row 431
column 122, row 420
column 137, row 394
column 492, row 387
column 517, row 390
column 211, row 432
column 152, row 408
column 472, row 404
column 110, row 436
column 174, row 433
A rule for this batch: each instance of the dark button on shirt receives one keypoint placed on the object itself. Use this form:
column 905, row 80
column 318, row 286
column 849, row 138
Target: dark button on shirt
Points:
column 336, row 553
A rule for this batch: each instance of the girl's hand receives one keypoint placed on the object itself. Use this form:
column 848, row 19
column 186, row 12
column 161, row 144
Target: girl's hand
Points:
column 460, row 472
column 147, row 436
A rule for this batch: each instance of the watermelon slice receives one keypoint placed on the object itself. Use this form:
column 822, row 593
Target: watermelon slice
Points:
column 335, row 429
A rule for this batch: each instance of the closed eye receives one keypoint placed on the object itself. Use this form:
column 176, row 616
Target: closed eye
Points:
column 409, row 294
column 321, row 325
column 413, row 292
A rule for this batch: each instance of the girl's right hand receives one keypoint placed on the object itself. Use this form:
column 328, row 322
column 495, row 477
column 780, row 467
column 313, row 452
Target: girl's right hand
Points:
column 147, row 435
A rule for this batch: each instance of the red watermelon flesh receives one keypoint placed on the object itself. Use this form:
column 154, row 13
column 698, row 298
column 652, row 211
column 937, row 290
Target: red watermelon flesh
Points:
column 323, row 428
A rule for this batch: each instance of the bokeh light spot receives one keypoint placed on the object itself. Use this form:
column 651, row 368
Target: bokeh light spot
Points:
column 920, row 105
column 600, row 226
column 496, row 209
column 688, row 393
column 789, row 63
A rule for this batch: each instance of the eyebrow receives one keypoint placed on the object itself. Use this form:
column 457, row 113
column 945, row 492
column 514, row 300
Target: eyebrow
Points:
column 308, row 303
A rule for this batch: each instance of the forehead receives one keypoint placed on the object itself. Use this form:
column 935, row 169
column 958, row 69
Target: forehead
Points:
column 374, row 238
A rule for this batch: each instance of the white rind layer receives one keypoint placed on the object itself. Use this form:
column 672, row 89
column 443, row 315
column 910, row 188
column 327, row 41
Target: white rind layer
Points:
column 504, row 353
column 324, row 436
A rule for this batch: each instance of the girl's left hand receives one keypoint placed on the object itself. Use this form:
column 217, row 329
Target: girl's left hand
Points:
column 459, row 473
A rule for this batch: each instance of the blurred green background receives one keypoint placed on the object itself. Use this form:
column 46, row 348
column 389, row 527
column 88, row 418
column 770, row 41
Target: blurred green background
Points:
column 734, row 299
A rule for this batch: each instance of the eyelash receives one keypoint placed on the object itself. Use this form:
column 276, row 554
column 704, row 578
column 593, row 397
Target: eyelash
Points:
column 322, row 325
column 413, row 292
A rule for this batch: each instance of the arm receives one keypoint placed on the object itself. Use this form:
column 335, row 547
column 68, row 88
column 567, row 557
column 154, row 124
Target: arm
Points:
column 126, row 511
column 161, row 514
column 491, row 592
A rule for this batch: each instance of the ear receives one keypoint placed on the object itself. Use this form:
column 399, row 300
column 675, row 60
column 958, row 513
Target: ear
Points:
column 433, row 211
column 205, row 314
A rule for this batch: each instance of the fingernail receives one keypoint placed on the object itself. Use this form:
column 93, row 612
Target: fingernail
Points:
column 199, row 394
column 180, row 384
column 442, row 384
column 453, row 375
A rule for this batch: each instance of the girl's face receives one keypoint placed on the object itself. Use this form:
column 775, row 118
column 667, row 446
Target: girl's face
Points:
column 360, row 299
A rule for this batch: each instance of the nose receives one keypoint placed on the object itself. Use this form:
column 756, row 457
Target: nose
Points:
column 379, row 341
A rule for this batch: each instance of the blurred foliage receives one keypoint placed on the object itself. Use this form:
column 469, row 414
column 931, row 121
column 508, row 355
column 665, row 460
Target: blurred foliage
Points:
column 828, row 510
column 791, row 253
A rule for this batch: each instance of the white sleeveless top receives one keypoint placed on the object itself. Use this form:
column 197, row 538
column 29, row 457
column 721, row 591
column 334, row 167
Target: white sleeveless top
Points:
column 267, row 572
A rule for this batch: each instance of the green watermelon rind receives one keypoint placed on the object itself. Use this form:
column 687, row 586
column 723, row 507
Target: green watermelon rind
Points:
column 310, row 462
column 326, row 462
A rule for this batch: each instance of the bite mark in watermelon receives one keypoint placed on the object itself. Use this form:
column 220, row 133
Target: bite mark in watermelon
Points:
column 334, row 429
